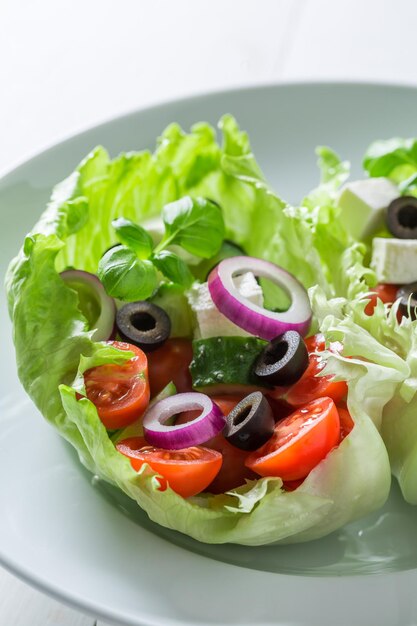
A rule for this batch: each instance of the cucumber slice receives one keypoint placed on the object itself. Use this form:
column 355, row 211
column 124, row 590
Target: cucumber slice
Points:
column 228, row 361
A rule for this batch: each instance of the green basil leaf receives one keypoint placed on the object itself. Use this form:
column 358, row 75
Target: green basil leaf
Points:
column 195, row 224
column 126, row 277
column 174, row 268
column 133, row 236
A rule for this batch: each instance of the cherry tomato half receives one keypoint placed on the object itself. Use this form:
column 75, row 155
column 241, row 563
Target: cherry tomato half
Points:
column 170, row 363
column 311, row 386
column 386, row 293
column 120, row 392
column 299, row 442
column 187, row 471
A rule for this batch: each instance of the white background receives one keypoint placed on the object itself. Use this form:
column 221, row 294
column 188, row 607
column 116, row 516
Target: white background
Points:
column 68, row 64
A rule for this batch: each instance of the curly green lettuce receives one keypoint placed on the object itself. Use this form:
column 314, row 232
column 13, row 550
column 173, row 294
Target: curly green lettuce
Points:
column 382, row 342
column 54, row 347
column 380, row 338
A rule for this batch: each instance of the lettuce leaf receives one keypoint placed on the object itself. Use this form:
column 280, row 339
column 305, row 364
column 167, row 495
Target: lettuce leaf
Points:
column 386, row 348
column 394, row 158
column 53, row 342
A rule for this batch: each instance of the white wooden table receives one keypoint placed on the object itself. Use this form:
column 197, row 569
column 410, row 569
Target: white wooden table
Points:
column 70, row 64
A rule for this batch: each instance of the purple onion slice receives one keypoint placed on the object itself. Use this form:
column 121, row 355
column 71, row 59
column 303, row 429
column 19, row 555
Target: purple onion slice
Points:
column 205, row 426
column 249, row 316
column 98, row 308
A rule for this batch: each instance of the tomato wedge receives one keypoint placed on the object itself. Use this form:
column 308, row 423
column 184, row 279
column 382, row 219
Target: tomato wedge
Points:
column 170, row 363
column 299, row 442
column 120, row 392
column 386, row 293
column 346, row 422
column 187, row 471
column 311, row 386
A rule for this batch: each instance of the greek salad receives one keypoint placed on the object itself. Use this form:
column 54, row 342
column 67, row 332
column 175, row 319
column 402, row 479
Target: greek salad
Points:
column 223, row 357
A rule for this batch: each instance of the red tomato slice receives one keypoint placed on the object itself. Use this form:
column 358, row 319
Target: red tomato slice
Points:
column 386, row 293
column 346, row 422
column 120, row 392
column 233, row 471
column 310, row 386
column 299, row 442
column 227, row 403
column 170, row 363
column 221, row 391
column 187, row 471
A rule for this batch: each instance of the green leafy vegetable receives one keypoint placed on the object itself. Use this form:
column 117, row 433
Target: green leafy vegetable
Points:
column 193, row 226
column 389, row 353
column 174, row 268
column 125, row 276
column 196, row 224
column 134, row 237
column 394, row 158
column 408, row 187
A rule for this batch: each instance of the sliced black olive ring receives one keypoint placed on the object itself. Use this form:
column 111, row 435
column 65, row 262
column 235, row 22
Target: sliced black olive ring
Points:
column 402, row 217
column 251, row 423
column 143, row 324
column 283, row 361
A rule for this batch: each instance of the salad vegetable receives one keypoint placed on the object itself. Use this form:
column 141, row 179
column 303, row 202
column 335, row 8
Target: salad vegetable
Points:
column 225, row 363
column 256, row 321
column 207, row 424
column 299, row 442
column 119, row 392
column 322, row 462
column 387, row 313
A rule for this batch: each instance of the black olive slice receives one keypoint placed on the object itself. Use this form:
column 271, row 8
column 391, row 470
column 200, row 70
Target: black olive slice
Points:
column 251, row 423
column 283, row 361
column 408, row 304
column 402, row 217
column 143, row 324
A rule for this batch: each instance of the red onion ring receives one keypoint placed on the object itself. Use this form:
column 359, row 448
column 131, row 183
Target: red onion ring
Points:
column 207, row 425
column 105, row 323
column 247, row 315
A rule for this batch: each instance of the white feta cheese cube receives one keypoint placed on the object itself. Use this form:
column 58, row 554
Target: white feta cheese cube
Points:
column 363, row 205
column 394, row 260
column 212, row 323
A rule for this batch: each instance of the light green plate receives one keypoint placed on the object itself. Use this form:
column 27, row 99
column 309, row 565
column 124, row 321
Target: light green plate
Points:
column 87, row 544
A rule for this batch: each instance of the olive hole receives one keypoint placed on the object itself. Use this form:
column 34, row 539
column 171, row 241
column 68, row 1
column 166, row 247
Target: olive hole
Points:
column 275, row 353
column 407, row 216
column 242, row 415
column 143, row 321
